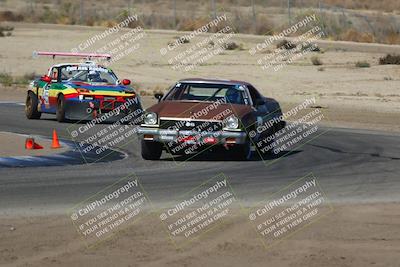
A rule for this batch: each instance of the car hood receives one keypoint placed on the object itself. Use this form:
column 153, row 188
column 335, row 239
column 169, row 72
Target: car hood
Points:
column 198, row 110
column 100, row 87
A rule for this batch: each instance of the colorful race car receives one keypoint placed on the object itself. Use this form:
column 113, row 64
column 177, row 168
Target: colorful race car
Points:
column 81, row 91
column 206, row 114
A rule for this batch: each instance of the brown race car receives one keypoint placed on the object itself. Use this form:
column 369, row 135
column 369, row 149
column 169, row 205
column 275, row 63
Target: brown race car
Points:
column 205, row 114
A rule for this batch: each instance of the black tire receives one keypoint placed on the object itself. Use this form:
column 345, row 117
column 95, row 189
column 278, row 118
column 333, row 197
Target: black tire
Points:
column 268, row 143
column 242, row 152
column 60, row 112
column 151, row 150
column 31, row 106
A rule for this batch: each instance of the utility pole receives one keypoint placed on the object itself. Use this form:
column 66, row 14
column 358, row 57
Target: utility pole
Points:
column 289, row 15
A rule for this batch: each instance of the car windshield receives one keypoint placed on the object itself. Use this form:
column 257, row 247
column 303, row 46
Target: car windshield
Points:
column 88, row 74
column 233, row 94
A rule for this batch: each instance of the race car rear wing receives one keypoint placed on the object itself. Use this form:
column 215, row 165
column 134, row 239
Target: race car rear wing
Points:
column 88, row 56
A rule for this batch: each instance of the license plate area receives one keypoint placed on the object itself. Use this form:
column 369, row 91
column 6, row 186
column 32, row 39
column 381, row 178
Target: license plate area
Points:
column 107, row 105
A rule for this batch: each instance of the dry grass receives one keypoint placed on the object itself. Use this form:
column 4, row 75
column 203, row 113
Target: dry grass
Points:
column 6, row 79
column 355, row 36
column 390, row 60
column 270, row 15
column 392, row 38
column 384, row 5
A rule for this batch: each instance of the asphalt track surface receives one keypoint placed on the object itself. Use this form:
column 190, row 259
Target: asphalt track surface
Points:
column 350, row 165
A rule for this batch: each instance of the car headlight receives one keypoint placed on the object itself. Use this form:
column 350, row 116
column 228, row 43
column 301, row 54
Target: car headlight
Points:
column 150, row 118
column 232, row 122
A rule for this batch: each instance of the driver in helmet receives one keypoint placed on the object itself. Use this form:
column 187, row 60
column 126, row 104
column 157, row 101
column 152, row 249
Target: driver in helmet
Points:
column 233, row 96
column 94, row 76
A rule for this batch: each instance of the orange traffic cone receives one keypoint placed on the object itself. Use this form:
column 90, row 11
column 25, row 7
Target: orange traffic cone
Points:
column 55, row 143
column 37, row 146
column 31, row 144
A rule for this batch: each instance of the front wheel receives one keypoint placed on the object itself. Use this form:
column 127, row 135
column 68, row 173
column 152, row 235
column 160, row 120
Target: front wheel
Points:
column 151, row 150
column 242, row 152
column 268, row 141
column 31, row 106
column 60, row 112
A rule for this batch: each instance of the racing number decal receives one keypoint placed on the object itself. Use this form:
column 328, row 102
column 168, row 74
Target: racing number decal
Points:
column 46, row 90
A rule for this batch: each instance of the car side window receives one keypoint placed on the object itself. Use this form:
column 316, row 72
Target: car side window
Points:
column 254, row 94
column 176, row 92
column 54, row 75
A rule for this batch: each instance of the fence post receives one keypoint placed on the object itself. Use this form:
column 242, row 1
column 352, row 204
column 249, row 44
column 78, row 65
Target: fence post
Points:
column 321, row 17
column 175, row 14
column 81, row 11
column 130, row 6
column 31, row 6
column 254, row 15
column 213, row 9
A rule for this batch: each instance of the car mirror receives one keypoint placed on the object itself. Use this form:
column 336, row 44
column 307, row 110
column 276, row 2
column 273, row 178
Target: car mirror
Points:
column 260, row 102
column 158, row 96
column 46, row 79
column 126, row 82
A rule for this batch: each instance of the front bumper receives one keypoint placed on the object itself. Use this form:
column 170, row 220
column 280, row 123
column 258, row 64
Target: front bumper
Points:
column 90, row 110
column 192, row 137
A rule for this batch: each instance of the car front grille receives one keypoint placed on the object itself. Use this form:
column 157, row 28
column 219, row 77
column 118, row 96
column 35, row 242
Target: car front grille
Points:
column 187, row 125
column 107, row 105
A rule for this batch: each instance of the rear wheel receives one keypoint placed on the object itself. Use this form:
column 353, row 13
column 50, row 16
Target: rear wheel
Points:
column 31, row 106
column 60, row 112
column 151, row 150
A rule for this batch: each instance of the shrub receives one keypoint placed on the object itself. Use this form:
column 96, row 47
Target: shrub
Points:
column 316, row 61
column 10, row 16
column 189, row 24
column 263, row 26
column 310, row 47
column 6, row 79
column 355, row 36
column 362, row 64
column 6, row 31
column 182, row 39
column 231, row 46
column 392, row 38
column 390, row 60
column 26, row 79
column 285, row 44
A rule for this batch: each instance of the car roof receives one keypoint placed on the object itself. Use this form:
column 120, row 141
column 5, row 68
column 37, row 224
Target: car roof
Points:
column 214, row 81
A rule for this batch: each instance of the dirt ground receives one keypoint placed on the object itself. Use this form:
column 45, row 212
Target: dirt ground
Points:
column 14, row 145
column 352, row 235
column 351, row 97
